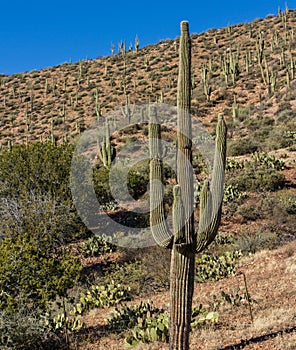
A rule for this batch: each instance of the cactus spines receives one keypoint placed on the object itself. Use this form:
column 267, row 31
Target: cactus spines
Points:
column 185, row 241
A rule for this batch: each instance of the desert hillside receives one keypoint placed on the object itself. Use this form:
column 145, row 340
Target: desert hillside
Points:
column 74, row 290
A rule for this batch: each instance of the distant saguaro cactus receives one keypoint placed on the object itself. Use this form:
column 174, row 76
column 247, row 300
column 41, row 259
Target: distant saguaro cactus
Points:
column 185, row 241
column 105, row 149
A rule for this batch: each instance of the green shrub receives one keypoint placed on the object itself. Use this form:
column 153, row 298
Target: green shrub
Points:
column 138, row 179
column 250, row 212
column 258, row 179
column 43, row 220
column 241, row 147
column 101, row 185
column 287, row 202
column 251, row 242
column 144, row 270
column 128, row 274
column 26, row 329
column 259, row 123
column 37, row 198
column 39, row 168
column 29, row 276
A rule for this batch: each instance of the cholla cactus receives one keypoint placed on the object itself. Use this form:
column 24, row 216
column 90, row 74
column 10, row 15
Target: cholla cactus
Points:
column 186, row 240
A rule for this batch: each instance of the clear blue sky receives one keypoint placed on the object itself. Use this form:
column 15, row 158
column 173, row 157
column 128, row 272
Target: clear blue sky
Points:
column 38, row 34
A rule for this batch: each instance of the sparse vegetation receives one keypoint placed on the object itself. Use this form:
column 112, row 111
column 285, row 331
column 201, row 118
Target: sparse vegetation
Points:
column 49, row 258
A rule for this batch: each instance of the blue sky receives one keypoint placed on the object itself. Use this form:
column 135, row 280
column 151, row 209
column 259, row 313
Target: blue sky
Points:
column 40, row 34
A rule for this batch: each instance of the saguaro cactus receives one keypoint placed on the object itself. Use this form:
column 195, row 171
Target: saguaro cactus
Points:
column 105, row 149
column 186, row 240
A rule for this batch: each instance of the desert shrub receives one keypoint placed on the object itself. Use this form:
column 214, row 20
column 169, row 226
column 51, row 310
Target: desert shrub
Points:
column 250, row 212
column 136, row 178
column 28, row 275
column 259, row 123
column 39, row 168
column 26, row 329
column 278, row 207
column 261, row 173
column 243, row 113
column 241, row 147
column 131, row 219
column 284, row 112
column 37, row 197
column 129, row 274
column 101, row 185
column 258, row 179
column 281, row 136
column 143, row 270
column 287, row 201
column 156, row 266
column 251, row 242
column 41, row 219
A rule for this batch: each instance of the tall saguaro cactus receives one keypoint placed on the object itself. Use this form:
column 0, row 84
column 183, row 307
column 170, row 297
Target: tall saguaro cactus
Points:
column 186, row 240
column 105, row 149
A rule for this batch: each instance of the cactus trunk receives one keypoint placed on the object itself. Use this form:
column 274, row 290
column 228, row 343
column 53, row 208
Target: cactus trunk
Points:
column 183, row 258
column 185, row 241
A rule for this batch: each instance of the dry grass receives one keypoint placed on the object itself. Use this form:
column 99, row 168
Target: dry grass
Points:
column 271, row 283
